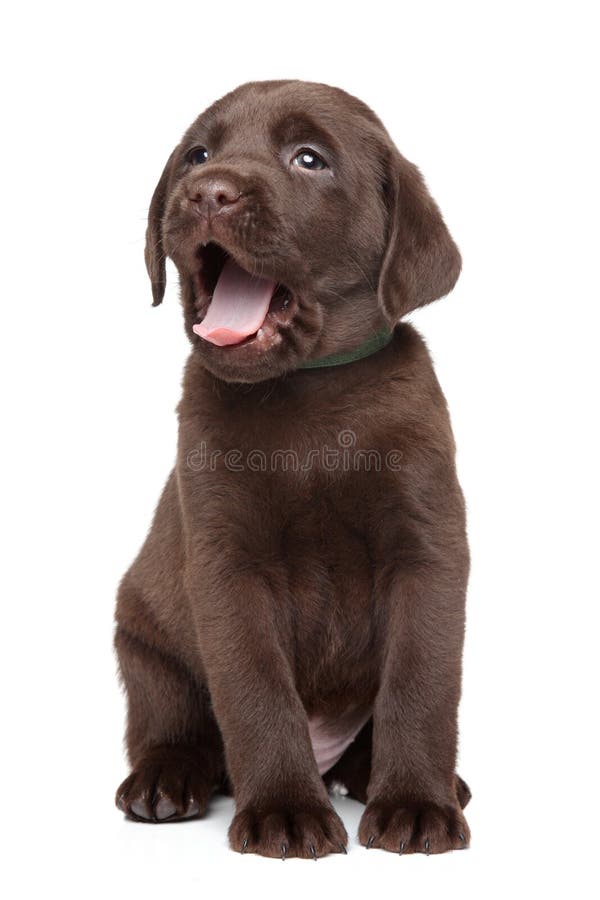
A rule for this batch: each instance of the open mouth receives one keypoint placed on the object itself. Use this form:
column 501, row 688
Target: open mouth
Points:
column 237, row 306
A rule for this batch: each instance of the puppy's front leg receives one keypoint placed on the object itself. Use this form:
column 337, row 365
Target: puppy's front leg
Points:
column 412, row 796
column 282, row 806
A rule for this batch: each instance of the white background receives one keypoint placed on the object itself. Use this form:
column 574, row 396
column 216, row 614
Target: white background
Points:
column 497, row 103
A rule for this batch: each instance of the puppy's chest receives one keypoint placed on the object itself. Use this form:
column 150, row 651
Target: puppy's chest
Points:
column 308, row 526
column 329, row 608
column 306, row 510
column 327, row 571
column 295, row 505
column 323, row 540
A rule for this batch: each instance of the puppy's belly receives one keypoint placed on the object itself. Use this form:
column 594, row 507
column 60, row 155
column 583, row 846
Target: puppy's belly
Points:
column 331, row 737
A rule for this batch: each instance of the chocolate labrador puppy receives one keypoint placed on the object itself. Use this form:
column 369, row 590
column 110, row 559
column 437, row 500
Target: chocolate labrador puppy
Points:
column 295, row 618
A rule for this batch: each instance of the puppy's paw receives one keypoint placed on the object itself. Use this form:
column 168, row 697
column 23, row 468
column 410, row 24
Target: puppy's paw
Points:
column 413, row 827
column 165, row 791
column 284, row 831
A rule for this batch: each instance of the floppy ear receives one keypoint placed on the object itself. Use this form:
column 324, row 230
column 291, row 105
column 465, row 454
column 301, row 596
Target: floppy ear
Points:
column 421, row 261
column 154, row 253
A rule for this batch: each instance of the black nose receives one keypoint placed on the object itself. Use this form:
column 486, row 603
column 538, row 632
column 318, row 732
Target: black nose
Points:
column 216, row 195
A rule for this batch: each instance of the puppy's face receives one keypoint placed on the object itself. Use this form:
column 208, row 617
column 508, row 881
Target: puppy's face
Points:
column 297, row 229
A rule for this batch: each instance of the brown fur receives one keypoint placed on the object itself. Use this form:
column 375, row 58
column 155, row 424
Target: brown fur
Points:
column 264, row 595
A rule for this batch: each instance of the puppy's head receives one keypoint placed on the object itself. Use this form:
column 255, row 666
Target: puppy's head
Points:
column 297, row 228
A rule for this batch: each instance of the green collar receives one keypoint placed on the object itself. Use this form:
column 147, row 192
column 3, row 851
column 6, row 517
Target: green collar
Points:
column 367, row 348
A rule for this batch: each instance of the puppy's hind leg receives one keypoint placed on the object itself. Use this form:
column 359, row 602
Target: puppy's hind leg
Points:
column 173, row 741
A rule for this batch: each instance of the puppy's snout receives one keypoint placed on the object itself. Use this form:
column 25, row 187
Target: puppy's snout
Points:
column 215, row 195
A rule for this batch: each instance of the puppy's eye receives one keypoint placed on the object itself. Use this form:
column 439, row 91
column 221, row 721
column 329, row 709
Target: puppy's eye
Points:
column 309, row 159
column 198, row 155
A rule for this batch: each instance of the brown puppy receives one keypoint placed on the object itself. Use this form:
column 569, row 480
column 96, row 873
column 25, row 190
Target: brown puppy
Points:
column 296, row 614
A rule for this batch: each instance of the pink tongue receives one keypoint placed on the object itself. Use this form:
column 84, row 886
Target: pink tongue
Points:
column 238, row 308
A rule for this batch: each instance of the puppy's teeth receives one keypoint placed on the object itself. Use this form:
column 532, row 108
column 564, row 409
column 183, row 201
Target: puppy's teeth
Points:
column 260, row 334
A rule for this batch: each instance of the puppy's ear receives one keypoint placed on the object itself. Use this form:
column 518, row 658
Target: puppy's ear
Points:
column 154, row 252
column 421, row 261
